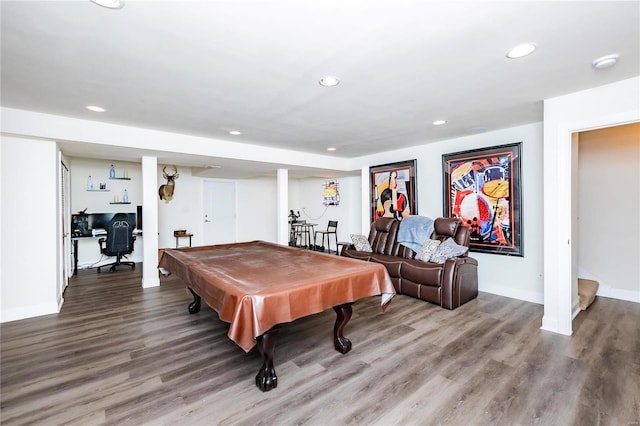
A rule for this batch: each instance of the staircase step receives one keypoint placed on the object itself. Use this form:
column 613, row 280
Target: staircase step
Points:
column 587, row 290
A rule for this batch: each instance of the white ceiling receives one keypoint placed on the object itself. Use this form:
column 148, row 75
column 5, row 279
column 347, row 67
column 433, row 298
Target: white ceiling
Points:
column 206, row 67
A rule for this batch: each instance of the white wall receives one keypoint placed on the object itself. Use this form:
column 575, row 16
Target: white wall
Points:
column 98, row 202
column 603, row 106
column 305, row 196
column 30, row 228
column 609, row 210
column 257, row 209
column 256, row 205
column 517, row 277
column 184, row 211
column 510, row 276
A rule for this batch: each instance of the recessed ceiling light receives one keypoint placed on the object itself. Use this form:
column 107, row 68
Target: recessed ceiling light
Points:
column 234, row 132
column 109, row 4
column 605, row 62
column 521, row 50
column 329, row 81
column 95, row 108
column 439, row 122
column 331, row 148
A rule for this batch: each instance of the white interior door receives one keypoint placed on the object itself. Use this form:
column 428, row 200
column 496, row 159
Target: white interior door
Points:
column 219, row 204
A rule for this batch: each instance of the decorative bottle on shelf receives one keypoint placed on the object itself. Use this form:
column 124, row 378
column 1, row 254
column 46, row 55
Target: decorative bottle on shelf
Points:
column 112, row 172
column 125, row 197
column 89, row 184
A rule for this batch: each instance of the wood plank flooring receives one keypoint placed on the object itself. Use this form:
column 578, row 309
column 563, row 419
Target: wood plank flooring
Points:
column 120, row 354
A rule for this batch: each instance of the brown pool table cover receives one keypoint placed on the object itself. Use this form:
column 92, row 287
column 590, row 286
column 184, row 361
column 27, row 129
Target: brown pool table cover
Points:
column 256, row 285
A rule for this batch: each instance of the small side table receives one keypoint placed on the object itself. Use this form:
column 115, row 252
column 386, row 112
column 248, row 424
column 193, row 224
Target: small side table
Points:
column 340, row 244
column 189, row 235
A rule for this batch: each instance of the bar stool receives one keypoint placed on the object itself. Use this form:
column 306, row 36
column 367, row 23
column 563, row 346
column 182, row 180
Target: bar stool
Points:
column 302, row 230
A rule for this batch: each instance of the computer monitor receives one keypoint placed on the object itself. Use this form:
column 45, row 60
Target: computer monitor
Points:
column 86, row 225
column 99, row 220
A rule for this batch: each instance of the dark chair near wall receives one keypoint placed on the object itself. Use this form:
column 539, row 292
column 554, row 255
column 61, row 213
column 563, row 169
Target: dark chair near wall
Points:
column 332, row 229
column 119, row 240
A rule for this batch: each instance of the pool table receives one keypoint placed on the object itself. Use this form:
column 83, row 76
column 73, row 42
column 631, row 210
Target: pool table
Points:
column 257, row 285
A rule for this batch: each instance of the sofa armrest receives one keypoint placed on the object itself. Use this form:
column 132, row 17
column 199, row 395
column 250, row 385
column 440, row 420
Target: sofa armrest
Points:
column 350, row 251
column 459, row 281
column 346, row 247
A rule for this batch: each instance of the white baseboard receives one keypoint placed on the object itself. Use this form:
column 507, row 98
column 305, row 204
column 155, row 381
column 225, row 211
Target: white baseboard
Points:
column 575, row 311
column 616, row 293
column 513, row 293
column 153, row 282
column 549, row 324
column 15, row 314
column 606, row 290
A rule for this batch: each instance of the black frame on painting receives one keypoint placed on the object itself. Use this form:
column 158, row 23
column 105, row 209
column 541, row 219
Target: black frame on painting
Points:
column 393, row 182
column 483, row 187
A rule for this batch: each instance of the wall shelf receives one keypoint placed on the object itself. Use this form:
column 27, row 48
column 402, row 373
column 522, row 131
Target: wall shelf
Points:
column 98, row 190
column 120, row 178
column 119, row 202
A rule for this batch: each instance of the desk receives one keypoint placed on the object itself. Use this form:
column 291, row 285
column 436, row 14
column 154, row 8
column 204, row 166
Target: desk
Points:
column 256, row 286
column 74, row 241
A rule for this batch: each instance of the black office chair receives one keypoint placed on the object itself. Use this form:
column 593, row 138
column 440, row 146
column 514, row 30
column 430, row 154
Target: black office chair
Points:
column 332, row 229
column 119, row 241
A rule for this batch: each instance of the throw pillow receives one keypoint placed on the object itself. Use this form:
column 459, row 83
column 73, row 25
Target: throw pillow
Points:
column 446, row 250
column 361, row 243
column 428, row 248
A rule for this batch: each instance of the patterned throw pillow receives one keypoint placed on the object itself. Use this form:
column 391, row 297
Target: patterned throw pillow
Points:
column 446, row 250
column 361, row 243
column 428, row 248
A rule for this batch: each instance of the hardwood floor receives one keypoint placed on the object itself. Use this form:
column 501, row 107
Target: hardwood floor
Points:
column 120, row 354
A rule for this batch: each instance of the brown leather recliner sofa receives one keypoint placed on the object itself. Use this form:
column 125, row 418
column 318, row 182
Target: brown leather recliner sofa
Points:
column 450, row 285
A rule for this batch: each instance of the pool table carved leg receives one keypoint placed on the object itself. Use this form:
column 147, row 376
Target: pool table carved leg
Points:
column 266, row 379
column 194, row 307
column 343, row 315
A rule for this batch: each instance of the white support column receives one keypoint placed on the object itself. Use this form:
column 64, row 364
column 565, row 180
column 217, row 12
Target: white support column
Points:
column 282, row 206
column 150, row 222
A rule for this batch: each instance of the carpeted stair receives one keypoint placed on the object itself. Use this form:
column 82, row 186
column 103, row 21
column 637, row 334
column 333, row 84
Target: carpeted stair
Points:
column 587, row 290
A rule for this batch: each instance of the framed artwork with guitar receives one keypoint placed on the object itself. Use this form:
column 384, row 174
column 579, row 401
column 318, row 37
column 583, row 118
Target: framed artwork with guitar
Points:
column 393, row 190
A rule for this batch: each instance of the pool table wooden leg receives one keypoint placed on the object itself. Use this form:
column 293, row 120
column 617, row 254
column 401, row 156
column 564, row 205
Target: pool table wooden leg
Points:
column 266, row 379
column 341, row 343
column 194, row 307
